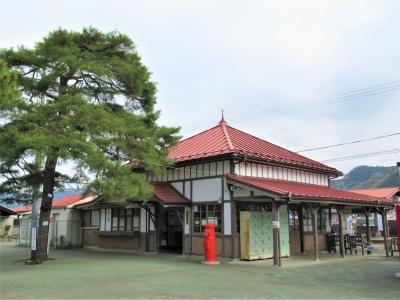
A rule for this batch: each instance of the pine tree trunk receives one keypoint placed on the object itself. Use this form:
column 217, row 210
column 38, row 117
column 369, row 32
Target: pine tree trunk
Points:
column 45, row 208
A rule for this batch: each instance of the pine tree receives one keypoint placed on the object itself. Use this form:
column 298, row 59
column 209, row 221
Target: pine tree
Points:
column 83, row 97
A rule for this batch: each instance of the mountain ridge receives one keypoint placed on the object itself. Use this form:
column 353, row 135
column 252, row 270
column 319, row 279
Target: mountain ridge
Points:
column 364, row 177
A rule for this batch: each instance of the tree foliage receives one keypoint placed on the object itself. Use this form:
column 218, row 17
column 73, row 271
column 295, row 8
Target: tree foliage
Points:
column 84, row 97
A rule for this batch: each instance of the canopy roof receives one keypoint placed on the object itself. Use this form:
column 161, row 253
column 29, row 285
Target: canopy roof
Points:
column 163, row 193
column 167, row 194
column 305, row 191
column 224, row 139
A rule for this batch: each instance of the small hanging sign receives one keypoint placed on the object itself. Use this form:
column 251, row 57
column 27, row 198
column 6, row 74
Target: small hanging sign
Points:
column 275, row 224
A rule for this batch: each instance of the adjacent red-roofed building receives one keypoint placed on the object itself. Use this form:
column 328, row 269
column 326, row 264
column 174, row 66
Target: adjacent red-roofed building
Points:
column 391, row 193
column 64, row 223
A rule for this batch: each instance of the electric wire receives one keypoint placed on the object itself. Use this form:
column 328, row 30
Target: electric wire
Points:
column 308, row 104
column 358, row 156
column 349, row 143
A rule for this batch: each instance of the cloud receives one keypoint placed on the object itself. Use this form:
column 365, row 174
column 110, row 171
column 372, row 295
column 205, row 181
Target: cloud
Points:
column 245, row 56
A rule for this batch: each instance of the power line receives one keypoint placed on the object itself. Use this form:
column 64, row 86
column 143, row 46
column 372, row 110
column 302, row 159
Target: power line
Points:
column 349, row 143
column 307, row 104
column 370, row 154
column 321, row 103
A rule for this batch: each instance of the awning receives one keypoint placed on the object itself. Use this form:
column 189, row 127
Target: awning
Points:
column 167, row 195
column 303, row 191
column 164, row 193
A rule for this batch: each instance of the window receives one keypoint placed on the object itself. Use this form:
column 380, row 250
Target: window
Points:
column 136, row 219
column 86, row 218
column 95, row 217
column 293, row 220
column 207, row 213
column 121, row 222
column 323, row 220
column 16, row 222
column 114, row 219
column 129, row 219
column 307, row 220
column 323, row 223
column 125, row 219
column 91, row 218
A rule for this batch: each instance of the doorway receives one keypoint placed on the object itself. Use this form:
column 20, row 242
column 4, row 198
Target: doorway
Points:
column 171, row 229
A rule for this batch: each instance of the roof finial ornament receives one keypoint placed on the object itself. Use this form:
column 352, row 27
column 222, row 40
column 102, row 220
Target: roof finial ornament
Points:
column 222, row 122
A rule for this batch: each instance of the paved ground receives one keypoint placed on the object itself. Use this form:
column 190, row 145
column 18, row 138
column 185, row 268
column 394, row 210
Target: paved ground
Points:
column 78, row 273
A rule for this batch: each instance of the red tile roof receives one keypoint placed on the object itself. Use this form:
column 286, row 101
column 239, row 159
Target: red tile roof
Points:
column 387, row 193
column 21, row 209
column 67, row 200
column 304, row 191
column 224, row 139
column 60, row 203
column 166, row 194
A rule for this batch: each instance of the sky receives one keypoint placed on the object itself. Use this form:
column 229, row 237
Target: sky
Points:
column 250, row 57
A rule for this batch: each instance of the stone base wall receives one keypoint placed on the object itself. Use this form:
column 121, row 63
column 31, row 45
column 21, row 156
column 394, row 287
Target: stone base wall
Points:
column 195, row 245
column 191, row 244
column 118, row 240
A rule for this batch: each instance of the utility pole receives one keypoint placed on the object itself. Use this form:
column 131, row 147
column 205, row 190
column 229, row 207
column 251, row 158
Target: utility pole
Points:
column 34, row 223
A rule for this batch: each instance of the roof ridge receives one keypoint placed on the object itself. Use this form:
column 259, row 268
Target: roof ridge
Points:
column 226, row 135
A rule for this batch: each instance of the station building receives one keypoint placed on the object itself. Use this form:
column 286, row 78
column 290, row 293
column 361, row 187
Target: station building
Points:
column 261, row 197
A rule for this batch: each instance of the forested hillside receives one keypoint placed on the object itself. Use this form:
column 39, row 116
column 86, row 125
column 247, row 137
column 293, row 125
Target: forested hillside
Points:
column 368, row 177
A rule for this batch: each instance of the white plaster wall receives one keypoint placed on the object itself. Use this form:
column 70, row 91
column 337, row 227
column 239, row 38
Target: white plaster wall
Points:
column 178, row 186
column 207, row 190
column 227, row 219
column 227, row 194
column 241, row 193
column 108, row 219
column 187, row 189
column 281, row 173
column 142, row 220
column 187, row 220
column 103, row 219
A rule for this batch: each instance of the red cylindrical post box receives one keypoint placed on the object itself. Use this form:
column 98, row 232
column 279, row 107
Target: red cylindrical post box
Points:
column 210, row 245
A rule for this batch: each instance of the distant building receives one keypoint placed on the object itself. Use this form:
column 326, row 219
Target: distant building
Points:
column 65, row 222
column 390, row 193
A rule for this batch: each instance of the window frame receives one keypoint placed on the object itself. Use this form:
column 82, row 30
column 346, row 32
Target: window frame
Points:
column 204, row 210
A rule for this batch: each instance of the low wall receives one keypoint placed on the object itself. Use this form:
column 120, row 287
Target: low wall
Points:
column 117, row 240
column 295, row 248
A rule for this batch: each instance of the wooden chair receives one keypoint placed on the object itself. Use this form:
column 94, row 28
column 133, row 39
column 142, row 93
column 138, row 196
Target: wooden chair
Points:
column 351, row 242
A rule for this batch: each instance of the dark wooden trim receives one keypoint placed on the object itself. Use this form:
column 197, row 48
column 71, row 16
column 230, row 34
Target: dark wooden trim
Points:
column 301, row 225
column 339, row 210
column 315, row 211
column 382, row 212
